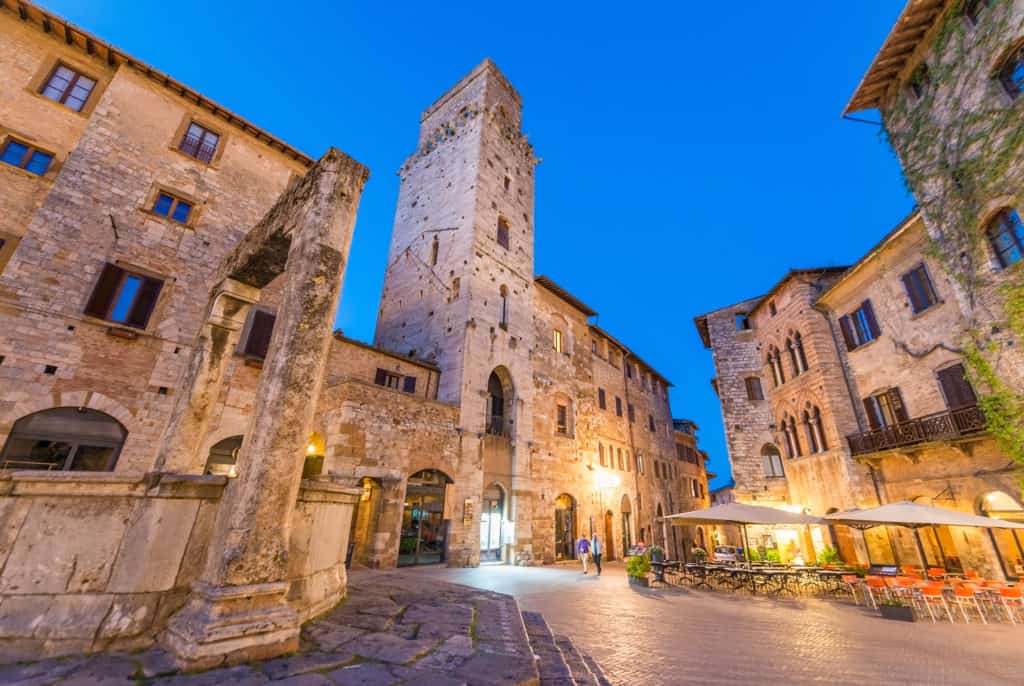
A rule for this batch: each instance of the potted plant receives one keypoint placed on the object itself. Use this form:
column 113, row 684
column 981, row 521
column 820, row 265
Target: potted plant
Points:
column 637, row 569
column 656, row 553
column 699, row 554
column 894, row 608
column 828, row 556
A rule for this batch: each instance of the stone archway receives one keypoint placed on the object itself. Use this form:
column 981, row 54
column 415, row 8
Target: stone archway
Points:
column 565, row 527
column 499, row 413
column 424, row 534
column 1008, row 543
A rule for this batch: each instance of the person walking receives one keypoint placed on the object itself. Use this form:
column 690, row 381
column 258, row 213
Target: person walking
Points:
column 583, row 548
column 595, row 550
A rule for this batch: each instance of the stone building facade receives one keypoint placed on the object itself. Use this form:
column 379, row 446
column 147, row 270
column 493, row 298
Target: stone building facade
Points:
column 877, row 402
column 490, row 420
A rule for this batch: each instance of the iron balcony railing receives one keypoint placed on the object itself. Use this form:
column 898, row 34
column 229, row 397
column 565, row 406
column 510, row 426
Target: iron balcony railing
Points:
column 496, row 425
column 198, row 148
column 941, row 426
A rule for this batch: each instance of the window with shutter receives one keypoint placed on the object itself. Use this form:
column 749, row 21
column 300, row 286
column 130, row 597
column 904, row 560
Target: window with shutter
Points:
column 124, row 297
column 385, row 378
column 754, row 391
column 618, row 406
column 409, row 384
column 860, row 326
column 600, row 398
column 919, row 289
column 956, row 388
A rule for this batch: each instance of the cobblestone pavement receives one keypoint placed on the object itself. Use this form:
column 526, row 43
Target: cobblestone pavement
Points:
column 394, row 629
column 681, row 636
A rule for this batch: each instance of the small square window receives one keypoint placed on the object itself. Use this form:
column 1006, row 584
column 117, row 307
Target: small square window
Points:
column 124, row 297
column 172, row 207
column 68, row 87
column 199, row 142
column 24, row 156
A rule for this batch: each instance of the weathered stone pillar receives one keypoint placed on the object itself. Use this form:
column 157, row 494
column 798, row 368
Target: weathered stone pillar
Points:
column 193, row 407
column 238, row 610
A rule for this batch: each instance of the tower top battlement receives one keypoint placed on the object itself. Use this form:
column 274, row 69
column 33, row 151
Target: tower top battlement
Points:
column 482, row 88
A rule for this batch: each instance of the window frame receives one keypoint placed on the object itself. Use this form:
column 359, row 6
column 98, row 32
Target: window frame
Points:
column 105, row 295
column 1002, row 218
column 557, row 340
column 62, row 100
column 1010, row 64
column 921, row 293
column 177, row 199
column 256, row 348
column 755, row 392
column 31, row 150
column 561, row 419
column 860, row 326
column 207, row 131
column 502, row 233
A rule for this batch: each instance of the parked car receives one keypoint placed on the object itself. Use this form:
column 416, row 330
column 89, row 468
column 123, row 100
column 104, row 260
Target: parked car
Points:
column 727, row 553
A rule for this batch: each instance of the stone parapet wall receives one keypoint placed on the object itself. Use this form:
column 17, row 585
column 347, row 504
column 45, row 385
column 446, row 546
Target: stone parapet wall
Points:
column 96, row 561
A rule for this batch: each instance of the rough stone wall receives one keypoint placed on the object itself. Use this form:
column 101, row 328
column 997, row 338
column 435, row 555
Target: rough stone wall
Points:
column 93, row 210
column 826, row 480
column 737, row 355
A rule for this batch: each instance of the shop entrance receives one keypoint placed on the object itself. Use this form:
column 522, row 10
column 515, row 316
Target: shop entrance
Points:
column 424, row 528
column 607, row 547
column 492, row 514
column 565, row 527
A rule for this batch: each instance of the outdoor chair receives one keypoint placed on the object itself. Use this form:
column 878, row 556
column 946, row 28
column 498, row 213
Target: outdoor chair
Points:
column 965, row 597
column 972, row 575
column 932, row 596
column 853, row 583
column 910, row 570
column 936, row 573
column 1013, row 601
column 876, row 587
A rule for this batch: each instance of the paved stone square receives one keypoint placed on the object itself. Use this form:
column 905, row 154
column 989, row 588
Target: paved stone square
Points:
column 681, row 636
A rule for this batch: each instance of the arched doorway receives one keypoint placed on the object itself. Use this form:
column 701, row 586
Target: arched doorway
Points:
column 500, row 393
column 609, row 547
column 565, row 527
column 492, row 516
column 424, row 528
column 223, row 457
column 74, row 439
column 627, row 529
column 1007, row 542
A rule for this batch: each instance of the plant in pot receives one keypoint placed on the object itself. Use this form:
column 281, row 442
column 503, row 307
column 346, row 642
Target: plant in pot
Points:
column 656, row 553
column 894, row 608
column 699, row 554
column 828, row 556
column 637, row 569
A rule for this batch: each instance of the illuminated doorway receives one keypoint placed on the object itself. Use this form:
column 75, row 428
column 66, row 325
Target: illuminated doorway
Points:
column 627, row 531
column 565, row 527
column 424, row 528
column 492, row 515
column 608, row 553
column 1007, row 542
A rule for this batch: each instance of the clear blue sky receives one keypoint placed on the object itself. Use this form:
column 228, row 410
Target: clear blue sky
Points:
column 692, row 152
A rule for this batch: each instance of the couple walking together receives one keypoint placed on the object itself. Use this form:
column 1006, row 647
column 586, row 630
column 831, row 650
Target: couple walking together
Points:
column 591, row 547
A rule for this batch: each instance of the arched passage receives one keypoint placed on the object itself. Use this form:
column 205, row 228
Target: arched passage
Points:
column 492, row 517
column 565, row 527
column 1007, row 542
column 64, row 439
column 500, row 396
column 424, row 529
column 223, row 457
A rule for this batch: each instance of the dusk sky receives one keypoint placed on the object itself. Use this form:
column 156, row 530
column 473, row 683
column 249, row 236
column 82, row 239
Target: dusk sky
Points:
column 692, row 153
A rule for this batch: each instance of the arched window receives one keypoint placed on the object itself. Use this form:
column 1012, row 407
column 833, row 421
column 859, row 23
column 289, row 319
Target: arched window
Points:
column 812, row 435
column 775, row 362
column 556, row 341
column 801, row 357
column 499, row 402
column 224, row 456
column 792, row 439
column 772, row 461
column 1011, row 74
column 819, row 429
column 1006, row 235
column 433, row 251
column 64, row 438
column 792, row 356
column 503, row 309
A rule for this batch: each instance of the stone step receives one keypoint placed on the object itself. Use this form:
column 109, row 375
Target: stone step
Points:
column 577, row 665
column 559, row 662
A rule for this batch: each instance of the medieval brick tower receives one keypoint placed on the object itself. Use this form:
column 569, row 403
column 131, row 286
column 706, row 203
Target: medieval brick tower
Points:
column 458, row 290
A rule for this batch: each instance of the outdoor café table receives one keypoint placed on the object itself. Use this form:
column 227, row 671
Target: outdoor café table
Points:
column 659, row 569
column 697, row 574
column 831, row 581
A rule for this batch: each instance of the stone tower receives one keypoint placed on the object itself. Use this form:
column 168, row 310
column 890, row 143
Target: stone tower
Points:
column 458, row 289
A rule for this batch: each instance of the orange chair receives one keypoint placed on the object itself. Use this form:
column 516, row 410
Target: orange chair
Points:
column 1013, row 600
column 931, row 596
column 876, row 586
column 971, row 575
column 966, row 596
column 936, row 573
column 910, row 570
column 853, row 582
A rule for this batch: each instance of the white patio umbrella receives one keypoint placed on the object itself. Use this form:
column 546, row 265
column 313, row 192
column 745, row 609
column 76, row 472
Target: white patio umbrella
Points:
column 741, row 515
column 915, row 516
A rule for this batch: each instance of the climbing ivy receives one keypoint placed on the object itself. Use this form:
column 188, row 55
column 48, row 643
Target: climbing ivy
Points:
column 960, row 139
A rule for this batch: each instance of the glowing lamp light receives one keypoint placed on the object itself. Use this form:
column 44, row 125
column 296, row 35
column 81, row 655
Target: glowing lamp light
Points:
column 310, row 449
column 607, row 480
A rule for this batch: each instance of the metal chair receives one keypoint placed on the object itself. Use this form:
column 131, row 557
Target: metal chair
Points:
column 931, row 596
column 966, row 596
column 1012, row 600
column 876, row 586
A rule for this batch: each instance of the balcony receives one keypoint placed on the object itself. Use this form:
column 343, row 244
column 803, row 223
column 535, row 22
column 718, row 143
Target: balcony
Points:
column 941, row 426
